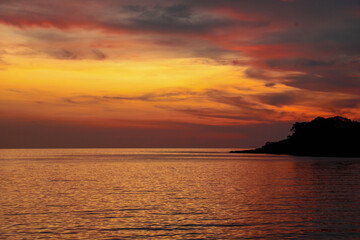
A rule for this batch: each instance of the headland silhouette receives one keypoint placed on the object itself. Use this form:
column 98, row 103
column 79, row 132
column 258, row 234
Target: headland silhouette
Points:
column 327, row 137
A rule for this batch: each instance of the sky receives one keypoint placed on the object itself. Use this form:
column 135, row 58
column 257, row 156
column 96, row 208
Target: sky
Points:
column 175, row 73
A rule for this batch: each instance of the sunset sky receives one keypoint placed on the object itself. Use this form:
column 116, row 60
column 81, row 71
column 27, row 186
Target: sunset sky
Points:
column 175, row 73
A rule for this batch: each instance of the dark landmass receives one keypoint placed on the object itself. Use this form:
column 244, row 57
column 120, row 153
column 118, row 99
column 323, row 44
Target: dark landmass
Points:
column 326, row 137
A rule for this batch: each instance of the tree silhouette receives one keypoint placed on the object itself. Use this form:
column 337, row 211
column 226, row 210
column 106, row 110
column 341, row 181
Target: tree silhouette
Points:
column 336, row 137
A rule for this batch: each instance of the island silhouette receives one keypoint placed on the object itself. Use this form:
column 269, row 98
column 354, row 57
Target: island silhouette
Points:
column 326, row 137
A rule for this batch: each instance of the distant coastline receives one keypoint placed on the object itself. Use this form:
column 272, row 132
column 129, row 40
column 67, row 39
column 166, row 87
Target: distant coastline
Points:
column 323, row 137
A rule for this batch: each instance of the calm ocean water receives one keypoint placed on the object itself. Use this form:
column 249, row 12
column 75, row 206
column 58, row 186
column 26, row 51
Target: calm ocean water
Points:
column 176, row 194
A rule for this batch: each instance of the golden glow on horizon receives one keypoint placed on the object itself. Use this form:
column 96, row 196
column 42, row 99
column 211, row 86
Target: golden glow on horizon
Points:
column 128, row 90
column 71, row 89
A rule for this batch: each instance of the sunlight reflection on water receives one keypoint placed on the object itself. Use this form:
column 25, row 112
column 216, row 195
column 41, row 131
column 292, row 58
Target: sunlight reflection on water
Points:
column 176, row 194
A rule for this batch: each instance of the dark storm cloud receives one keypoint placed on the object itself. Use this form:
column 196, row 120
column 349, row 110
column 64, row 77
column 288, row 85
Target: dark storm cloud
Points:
column 298, row 63
column 171, row 19
column 332, row 81
column 172, row 12
column 115, row 16
column 310, row 37
column 345, row 33
column 247, row 106
column 42, row 13
column 257, row 73
column 280, row 99
column 270, row 84
column 336, row 75
column 301, row 11
column 346, row 103
column 176, row 18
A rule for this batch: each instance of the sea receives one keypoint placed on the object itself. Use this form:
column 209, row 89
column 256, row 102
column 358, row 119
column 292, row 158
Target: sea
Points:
column 176, row 194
